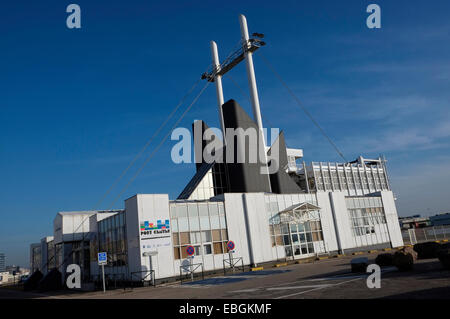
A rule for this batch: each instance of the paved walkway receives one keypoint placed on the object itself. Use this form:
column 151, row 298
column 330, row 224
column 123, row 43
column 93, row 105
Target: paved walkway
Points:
column 330, row 278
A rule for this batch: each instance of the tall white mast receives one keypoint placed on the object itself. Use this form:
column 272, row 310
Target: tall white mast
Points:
column 218, row 80
column 251, row 76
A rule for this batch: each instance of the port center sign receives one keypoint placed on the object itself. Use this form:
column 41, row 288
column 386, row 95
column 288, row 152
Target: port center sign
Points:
column 154, row 234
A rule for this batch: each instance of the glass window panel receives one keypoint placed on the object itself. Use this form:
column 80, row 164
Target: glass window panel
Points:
column 181, row 210
column 176, row 252
column 221, row 209
column 304, row 249
column 198, row 250
column 206, row 236
column 215, row 224
column 307, row 226
column 204, row 223
column 202, row 210
column 183, row 224
column 224, row 234
column 295, row 238
column 184, row 253
column 315, row 236
column 223, row 223
column 174, row 225
column 218, row 249
column 213, row 210
column 192, row 210
column 192, row 238
column 184, row 238
column 173, row 211
column 308, row 237
column 207, row 249
column 301, row 227
column 216, row 235
column 194, row 223
column 302, row 237
column 279, row 240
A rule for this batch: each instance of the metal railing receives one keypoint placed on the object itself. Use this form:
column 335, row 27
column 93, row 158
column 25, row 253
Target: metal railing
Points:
column 112, row 281
column 149, row 276
column 190, row 271
column 232, row 264
column 421, row 235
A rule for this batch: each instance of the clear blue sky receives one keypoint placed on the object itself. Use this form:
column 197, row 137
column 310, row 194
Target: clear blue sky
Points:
column 77, row 105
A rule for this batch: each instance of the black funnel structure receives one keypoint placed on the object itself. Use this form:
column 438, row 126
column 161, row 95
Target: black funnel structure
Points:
column 243, row 177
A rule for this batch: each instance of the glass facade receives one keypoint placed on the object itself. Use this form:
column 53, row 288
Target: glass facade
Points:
column 111, row 239
column 200, row 224
column 297, row 238
column 365, row 214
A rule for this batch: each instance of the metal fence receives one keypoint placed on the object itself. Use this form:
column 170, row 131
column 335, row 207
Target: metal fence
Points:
column 420, row 235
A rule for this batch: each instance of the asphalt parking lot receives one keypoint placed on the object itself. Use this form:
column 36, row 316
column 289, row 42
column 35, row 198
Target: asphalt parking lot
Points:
column 329, row 278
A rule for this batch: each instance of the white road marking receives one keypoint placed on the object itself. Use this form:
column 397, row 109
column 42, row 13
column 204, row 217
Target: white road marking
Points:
column 246, row 290
column 301, row 287
column 304, row 292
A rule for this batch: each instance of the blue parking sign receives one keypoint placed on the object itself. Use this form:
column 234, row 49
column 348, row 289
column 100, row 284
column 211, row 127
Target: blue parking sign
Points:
column 102, row 258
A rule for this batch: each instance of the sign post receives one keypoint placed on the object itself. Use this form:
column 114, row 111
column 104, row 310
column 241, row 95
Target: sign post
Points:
column 102, row 261
column 150, row 254
column 190, row 250
column 231, row 246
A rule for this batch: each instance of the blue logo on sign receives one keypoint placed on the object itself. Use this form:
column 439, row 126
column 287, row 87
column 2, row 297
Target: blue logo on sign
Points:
column 101, row 256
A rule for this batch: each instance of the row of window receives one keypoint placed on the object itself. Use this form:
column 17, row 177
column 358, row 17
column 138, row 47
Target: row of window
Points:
column 204, row 242
column 363, row 202
column 201, row 225
column 353, row 180
column 180, row 252
column 364, row 220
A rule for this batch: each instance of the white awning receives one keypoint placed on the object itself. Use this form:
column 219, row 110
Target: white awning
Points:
column 298, row 213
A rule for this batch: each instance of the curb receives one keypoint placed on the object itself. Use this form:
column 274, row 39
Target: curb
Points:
column 281, row 264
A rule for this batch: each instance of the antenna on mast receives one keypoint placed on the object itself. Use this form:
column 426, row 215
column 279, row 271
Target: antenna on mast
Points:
column 249, row 45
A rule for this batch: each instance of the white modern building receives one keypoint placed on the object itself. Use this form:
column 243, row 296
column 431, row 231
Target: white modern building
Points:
column 300, row 211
